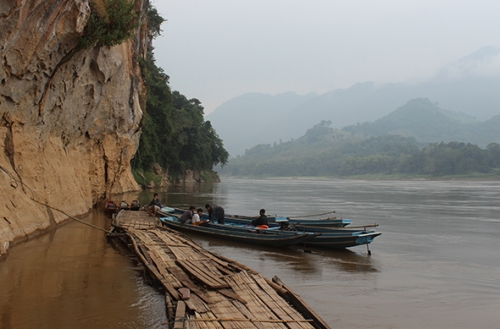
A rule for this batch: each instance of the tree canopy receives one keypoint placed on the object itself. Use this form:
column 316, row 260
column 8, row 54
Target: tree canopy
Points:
column 330, row 152
column 174, row 132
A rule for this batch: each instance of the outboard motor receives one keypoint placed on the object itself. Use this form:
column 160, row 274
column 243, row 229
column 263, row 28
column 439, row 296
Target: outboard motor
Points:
column 283, row 223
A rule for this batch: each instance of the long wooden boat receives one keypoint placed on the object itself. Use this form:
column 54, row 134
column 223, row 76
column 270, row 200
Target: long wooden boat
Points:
column 327, row 237
column 252, row 236
column 274, row 221
column 323, row 222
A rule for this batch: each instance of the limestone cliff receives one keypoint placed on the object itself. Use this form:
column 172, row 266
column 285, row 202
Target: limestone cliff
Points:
column 69, row 124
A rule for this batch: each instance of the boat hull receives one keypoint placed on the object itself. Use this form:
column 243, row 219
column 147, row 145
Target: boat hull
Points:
column 331, row 237
column 276, row 239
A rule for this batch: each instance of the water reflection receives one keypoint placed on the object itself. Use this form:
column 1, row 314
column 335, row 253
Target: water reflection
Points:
column 346, row 260
column 72, row 277
column 437, row 256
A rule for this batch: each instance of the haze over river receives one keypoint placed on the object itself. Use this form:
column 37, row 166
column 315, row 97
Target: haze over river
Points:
column 436, row 264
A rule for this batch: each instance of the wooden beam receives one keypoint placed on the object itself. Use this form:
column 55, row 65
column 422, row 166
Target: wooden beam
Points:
column 180, row 315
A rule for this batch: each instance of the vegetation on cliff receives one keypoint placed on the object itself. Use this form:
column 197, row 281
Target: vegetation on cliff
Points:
column 110, row 23
column 174, row 133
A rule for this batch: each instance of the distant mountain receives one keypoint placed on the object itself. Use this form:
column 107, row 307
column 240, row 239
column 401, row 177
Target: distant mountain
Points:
column 427, row 122
column 469, row 86
column 254, row 118
column 418, row 138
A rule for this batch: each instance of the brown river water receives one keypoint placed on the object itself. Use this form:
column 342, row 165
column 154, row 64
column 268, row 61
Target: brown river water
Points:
column 436, row 264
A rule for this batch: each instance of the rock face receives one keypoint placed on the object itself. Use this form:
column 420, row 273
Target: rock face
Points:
column 69, row 124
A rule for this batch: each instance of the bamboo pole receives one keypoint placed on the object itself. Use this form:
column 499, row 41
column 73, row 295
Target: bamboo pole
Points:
column 249, row 320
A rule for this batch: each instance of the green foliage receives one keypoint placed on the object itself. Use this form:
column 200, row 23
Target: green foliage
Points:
column 195, row 144
column 154, row 21
column 326, row 152
column 114, row 25
column 144, row 178
column 174, row 133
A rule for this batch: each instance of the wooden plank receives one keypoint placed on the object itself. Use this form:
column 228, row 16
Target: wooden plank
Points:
column 226, row 310
column 145, row 252
column 279, row 306
column 219, row 259
column 180, row 315
column 204, row 324
column 199, row 271
column 231, row 294
column 298, row 302
column 171, row 290
column 249, row 320
column 240, row 283
column 169, row 240
column 185, row 281
column 196, row 304
column 162, row 267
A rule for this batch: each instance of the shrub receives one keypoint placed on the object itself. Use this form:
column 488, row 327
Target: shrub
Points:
column 111, row 26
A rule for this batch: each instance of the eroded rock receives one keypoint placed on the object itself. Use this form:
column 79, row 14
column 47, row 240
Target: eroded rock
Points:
column 68, row 126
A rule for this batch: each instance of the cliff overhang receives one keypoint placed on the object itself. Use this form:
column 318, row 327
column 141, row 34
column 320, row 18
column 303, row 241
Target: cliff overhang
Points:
column 69, row 120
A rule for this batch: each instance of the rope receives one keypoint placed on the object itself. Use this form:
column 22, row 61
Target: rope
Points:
column 49, row 206
column 73, row 217
column 326, row 213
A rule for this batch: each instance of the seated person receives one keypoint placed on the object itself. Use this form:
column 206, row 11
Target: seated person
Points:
column 261, row 221
column 154, row 205
column 187, row 216
column 196, row 218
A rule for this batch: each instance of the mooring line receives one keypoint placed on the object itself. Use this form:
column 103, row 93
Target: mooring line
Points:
column 49, row 206
column 326, row 213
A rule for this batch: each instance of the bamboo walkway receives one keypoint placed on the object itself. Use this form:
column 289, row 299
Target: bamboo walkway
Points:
column 207, row 291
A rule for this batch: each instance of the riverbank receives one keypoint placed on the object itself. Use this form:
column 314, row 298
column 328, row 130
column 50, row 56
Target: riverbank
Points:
column 392, row 177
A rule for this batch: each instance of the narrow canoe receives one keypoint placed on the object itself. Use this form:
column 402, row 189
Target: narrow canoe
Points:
column 268, row 239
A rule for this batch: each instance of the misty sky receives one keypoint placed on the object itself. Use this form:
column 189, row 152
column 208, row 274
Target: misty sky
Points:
column 219, row 49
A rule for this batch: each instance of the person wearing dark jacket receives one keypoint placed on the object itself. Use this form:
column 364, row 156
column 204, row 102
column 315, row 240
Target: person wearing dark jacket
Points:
column 187, row 216
column 262, row 220
column 215, row 212
column 154, row 205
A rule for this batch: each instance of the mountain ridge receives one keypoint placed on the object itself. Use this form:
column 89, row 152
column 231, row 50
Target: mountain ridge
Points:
column 461, row 87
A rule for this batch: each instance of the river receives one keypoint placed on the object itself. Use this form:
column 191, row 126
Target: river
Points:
column 436, row 264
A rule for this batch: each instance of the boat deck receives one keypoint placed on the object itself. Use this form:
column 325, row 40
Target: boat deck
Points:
column 207, row 291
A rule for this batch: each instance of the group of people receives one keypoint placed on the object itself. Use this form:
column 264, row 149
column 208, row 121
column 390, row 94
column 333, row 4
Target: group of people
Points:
column 192, row 217
column 214, row 213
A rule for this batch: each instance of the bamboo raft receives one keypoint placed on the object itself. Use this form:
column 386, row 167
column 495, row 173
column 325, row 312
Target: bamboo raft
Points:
column 206, row 291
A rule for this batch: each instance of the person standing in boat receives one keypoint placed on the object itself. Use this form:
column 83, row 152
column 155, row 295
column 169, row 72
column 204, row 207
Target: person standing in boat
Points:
column 215, row 212
column 196, row 218
column 187, row 216
column 261, row 220
column 154, row 205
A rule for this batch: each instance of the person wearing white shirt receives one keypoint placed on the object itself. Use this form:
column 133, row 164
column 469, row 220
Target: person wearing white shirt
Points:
column 196, row 218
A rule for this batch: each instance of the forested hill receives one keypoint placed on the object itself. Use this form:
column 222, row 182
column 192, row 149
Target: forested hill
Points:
column 427, row 122
column 324, row 151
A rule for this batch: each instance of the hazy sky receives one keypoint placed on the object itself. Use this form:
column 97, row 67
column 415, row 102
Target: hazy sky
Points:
column 215, row 50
